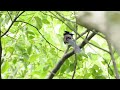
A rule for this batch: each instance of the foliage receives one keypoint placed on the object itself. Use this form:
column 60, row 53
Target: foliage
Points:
column 26, row 54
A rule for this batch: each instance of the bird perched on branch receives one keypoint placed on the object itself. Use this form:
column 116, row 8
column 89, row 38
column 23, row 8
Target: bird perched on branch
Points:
column 68, row 39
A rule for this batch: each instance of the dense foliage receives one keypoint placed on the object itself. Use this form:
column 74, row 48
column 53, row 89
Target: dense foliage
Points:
column 34, row 44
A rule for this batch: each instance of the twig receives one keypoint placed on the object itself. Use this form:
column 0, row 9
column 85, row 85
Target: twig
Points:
column 113, row 60
column 75, row 64
column 12, row 23
column 98, row 34
column 41, row 34
column 48, row 15
column 102, row 58
column 67, row 49
column 64, row 17
column 99, row 47
column 92, row 43
column 65, row 24
column 65, row 57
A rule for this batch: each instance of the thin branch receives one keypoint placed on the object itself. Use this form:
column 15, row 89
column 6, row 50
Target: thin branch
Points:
column 65, row 57
column 75, row 64
column 99, row 47
column 65, row 18
column 56, row 18
column 48, row 15
column 65, row 24
column 85, row 32
column 41, row 34
column 82, row 34
column 92, row 43
column 67, row 49
column 12, row 23
column 113, row 60
column 98, row 34
column 102, row 58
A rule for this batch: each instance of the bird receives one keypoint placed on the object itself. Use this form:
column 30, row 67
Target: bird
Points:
column 68, row 39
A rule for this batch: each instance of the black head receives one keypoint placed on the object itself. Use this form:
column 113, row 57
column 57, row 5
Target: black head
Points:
column 66, row 32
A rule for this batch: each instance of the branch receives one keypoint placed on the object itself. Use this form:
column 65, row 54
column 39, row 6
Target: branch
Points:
column 65, row 18
column 65, row 57
column 41, row 34
column 102, row 58
column 75, row 64
column 92, row 43
column 12, row 23
column 99, row 47
column 113, row 60
column 65, row 24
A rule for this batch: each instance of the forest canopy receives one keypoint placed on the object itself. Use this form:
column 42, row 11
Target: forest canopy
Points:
column 32, row 47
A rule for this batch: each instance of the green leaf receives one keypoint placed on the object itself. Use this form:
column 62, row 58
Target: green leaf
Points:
column 110, row 72
column 33, row 58
column 16, row 23
column 95, row 67
column 94, row 57
column 29, row 49
column 31, row 37
column 30, row 32
column 83, row 54
column 10, row 49
column 5, row 67
column 36, row 74
column 71, row 67
column 45, row 21
column 103, row 62
column 100, row 77
column 26, row 56
column 39, row 22
column 87, row 75
column 14, row 61
column 63, row 69
column 46, row 68
column 95, row 43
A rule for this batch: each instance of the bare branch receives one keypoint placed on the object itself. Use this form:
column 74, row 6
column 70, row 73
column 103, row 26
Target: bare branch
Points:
column 92, row 43
column 113, row 60
column 85, row 32
column 12, row 23
column 75, row 64
column 64, row 17
column 65, row 57
column 102, row 58
column 65, row 24
column 99, row 47
column 40, row 34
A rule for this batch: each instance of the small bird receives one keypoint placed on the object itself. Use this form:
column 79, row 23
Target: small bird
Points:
column 68, row 39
